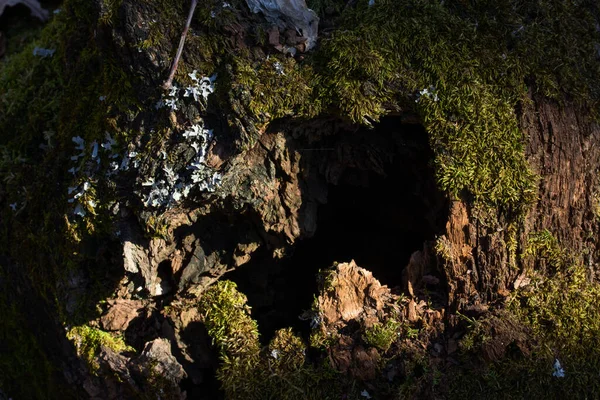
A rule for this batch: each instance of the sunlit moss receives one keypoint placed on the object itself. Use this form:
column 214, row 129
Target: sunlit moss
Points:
column 475, row 63
column 276, row 88
column 88, row 342
column 382, row 335
column 246, row 371
column 235, row 334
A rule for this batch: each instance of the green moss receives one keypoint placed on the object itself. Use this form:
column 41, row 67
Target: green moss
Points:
column 287, row 352
column 543, row 245
column 157, row 227
column 563, row 312
column 382, row 335
column 319, row 339
column 109, row 10
column 88, row 342
column 235, row 334
column 477, row 61
column 559, row 312
column 48, row 101
column 275, row 88
column 280, row 371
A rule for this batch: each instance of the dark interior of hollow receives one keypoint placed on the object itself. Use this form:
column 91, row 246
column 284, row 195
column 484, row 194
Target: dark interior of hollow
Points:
column 378, row 221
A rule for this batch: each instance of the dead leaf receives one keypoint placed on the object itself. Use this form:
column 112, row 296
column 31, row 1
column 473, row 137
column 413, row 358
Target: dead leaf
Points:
column 34, row 5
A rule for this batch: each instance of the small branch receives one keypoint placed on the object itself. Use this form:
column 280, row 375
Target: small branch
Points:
column 169, row 82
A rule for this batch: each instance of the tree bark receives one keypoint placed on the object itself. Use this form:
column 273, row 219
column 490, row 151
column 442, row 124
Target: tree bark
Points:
column 561, row 149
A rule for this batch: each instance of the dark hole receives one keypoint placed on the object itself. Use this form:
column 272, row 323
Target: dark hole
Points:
column 378, row 221
column 165, row 277
column 201, row 382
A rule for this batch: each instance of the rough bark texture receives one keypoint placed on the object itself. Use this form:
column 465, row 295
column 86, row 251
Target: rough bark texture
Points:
column 561, row 149
column 273, row 182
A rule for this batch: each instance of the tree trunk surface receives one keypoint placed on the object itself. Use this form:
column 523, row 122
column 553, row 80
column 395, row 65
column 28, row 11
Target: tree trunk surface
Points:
column 293, row 198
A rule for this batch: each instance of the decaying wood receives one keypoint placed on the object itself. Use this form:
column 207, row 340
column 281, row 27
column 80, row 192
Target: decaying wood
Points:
column 562, row 149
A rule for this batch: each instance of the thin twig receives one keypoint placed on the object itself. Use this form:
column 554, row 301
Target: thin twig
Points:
column 169, row 81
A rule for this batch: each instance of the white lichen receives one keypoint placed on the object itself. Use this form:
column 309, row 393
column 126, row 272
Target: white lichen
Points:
column 94, row 150
column 41, row 52
column 558, row 371
column 79, row 210
column 278, row 68
column 430, row 93
column 174, row 186
column 80, row 143
column 201, row 87
column 109, row 142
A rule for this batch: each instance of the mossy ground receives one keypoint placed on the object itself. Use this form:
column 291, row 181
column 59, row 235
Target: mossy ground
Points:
column 509, row 354
column 559, row 311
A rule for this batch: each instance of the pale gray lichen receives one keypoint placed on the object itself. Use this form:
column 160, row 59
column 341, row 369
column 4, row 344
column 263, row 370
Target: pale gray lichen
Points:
column 168, row 187
column 558, row 372
column 79, row 211
column 430, row 93
column 41, row 52
column 278, row 68
column 201, row 88
column 174, row 186
column 289, row 14
column 93, row 166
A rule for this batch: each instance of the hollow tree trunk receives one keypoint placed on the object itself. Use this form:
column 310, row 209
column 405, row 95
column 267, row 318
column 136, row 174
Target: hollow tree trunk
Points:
column 274, row 181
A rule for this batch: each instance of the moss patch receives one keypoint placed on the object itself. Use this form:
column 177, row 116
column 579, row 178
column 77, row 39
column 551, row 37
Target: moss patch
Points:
column 280, row 371
column 559, row 313
column 382, row 335
column 88, row 342
column 463, row 67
